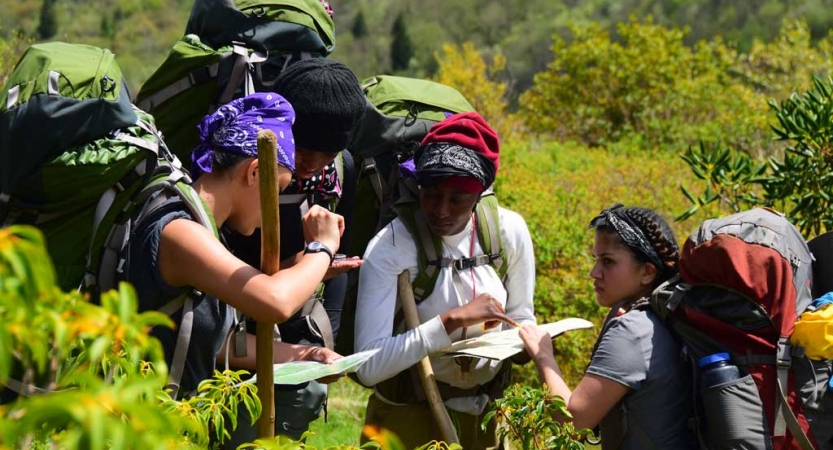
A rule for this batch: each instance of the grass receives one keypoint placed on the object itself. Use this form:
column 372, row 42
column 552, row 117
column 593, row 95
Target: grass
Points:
column 345, row 410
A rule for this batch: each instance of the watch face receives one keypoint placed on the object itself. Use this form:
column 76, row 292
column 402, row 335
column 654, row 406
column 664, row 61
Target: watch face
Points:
column 314, row 246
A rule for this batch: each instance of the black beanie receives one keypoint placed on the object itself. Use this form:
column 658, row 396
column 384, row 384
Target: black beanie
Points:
column 328, row 103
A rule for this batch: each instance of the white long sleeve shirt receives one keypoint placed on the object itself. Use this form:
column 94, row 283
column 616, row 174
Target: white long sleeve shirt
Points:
column 392, row 251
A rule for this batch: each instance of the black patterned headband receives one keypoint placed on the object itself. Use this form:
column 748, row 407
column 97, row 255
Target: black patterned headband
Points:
column 442, row 159
column 631, row 234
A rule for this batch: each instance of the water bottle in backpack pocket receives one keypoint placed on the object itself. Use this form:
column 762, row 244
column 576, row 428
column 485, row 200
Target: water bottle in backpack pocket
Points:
column 732, row 413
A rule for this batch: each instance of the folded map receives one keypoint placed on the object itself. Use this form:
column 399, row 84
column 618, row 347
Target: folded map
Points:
column 297, row 372
column 503, row 344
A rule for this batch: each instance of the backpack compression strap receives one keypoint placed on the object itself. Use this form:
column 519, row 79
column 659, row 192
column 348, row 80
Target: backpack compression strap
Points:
column 202, row 75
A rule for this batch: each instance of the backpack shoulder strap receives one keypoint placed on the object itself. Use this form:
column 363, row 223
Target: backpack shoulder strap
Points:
column 318, row 321
column 176, row 183
column 429, row 249
column 488, row 232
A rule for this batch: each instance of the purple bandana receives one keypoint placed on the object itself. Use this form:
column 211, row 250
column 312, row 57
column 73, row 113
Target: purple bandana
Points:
column 233, row 128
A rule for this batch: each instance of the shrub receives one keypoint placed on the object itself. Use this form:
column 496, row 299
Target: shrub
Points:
column 647, row 87
column 464, row 69
column 526, row 416
column 797, row 181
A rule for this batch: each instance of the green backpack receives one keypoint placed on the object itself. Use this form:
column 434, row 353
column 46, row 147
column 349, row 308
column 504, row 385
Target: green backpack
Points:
column 80, row 163
column 70, row 136
column 399, row 114
column 230, row 49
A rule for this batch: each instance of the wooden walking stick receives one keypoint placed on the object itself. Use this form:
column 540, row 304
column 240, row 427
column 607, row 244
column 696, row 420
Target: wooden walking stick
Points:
column 267, row 157
column 426, row 372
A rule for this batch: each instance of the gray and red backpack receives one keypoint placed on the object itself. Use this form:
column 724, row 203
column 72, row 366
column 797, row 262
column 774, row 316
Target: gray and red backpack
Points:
column 744, row 281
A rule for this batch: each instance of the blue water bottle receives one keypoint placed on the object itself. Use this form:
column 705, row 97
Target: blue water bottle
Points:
column 717, row 369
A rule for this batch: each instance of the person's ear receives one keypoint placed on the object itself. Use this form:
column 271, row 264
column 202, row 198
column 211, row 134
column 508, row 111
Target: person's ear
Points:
column 648, row 273
column 251, row 172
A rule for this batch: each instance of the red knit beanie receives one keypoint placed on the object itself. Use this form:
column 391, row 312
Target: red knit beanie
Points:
column 468, row 130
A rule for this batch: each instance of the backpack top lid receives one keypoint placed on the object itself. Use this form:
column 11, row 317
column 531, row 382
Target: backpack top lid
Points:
column 288, row 25
column 58, row 95
column 757, row 253
column 400, row 111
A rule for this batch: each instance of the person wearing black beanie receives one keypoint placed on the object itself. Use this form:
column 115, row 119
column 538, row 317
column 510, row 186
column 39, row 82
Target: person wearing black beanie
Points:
column 328, row 103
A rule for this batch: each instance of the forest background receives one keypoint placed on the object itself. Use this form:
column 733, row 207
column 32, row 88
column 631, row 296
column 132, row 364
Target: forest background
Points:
column 596, row 101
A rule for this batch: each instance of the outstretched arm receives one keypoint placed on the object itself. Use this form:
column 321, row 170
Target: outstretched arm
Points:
column 594, row 396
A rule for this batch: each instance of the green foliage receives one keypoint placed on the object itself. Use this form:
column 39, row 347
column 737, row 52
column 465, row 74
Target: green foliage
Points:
column 401, row 49
column 48, row 25
column 645, row 87
column 99, row 375
column 730, row 178
column 797, row 181
column 11, row 48
column 528, row 416
column 87, row 360
column 464, row 69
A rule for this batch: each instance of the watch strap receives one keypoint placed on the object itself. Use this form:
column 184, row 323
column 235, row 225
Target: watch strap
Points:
column 318, row 248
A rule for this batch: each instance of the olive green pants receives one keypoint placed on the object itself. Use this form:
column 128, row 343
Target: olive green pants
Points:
column 415, row 425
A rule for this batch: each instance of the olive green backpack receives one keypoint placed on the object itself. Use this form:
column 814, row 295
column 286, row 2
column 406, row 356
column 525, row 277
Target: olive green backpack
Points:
column 72, row 147
column 230, row 49
column 80, row 163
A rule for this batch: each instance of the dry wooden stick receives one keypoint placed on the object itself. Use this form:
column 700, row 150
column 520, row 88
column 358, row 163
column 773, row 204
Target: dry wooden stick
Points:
column 267, row 157
column 426, row 372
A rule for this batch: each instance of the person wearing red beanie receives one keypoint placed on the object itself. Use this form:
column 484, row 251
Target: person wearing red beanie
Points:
column 455, row 165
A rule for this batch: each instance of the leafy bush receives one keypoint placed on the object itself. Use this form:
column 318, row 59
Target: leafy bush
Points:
column 526, row 416
column 464, row 69
column 11, row 49
column 649, row 88
column 798, row 181
column 99, row 376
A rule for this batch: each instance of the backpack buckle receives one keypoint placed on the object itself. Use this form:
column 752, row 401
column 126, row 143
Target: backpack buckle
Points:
column 464, row 263
column 474, row 261
column 783, row 358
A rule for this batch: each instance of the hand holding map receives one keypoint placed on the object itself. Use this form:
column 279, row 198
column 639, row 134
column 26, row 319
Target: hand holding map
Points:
column 503, row 344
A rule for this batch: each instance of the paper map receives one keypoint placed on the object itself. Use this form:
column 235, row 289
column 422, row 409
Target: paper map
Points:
column 503, row 344
column 297, row 372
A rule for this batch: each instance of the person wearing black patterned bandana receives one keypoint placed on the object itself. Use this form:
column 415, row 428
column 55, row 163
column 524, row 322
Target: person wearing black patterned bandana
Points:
column 454, row 165
column 637, row 389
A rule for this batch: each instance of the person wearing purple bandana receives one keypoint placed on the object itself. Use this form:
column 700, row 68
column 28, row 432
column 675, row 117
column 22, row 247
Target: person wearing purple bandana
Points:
column 171, row 253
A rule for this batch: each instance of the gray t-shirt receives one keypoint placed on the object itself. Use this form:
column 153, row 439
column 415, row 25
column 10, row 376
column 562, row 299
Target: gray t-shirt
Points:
column 638, row 351
column 212, row 318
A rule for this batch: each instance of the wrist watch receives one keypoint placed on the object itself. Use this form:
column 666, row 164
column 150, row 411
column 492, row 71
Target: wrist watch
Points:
column 318, row 247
